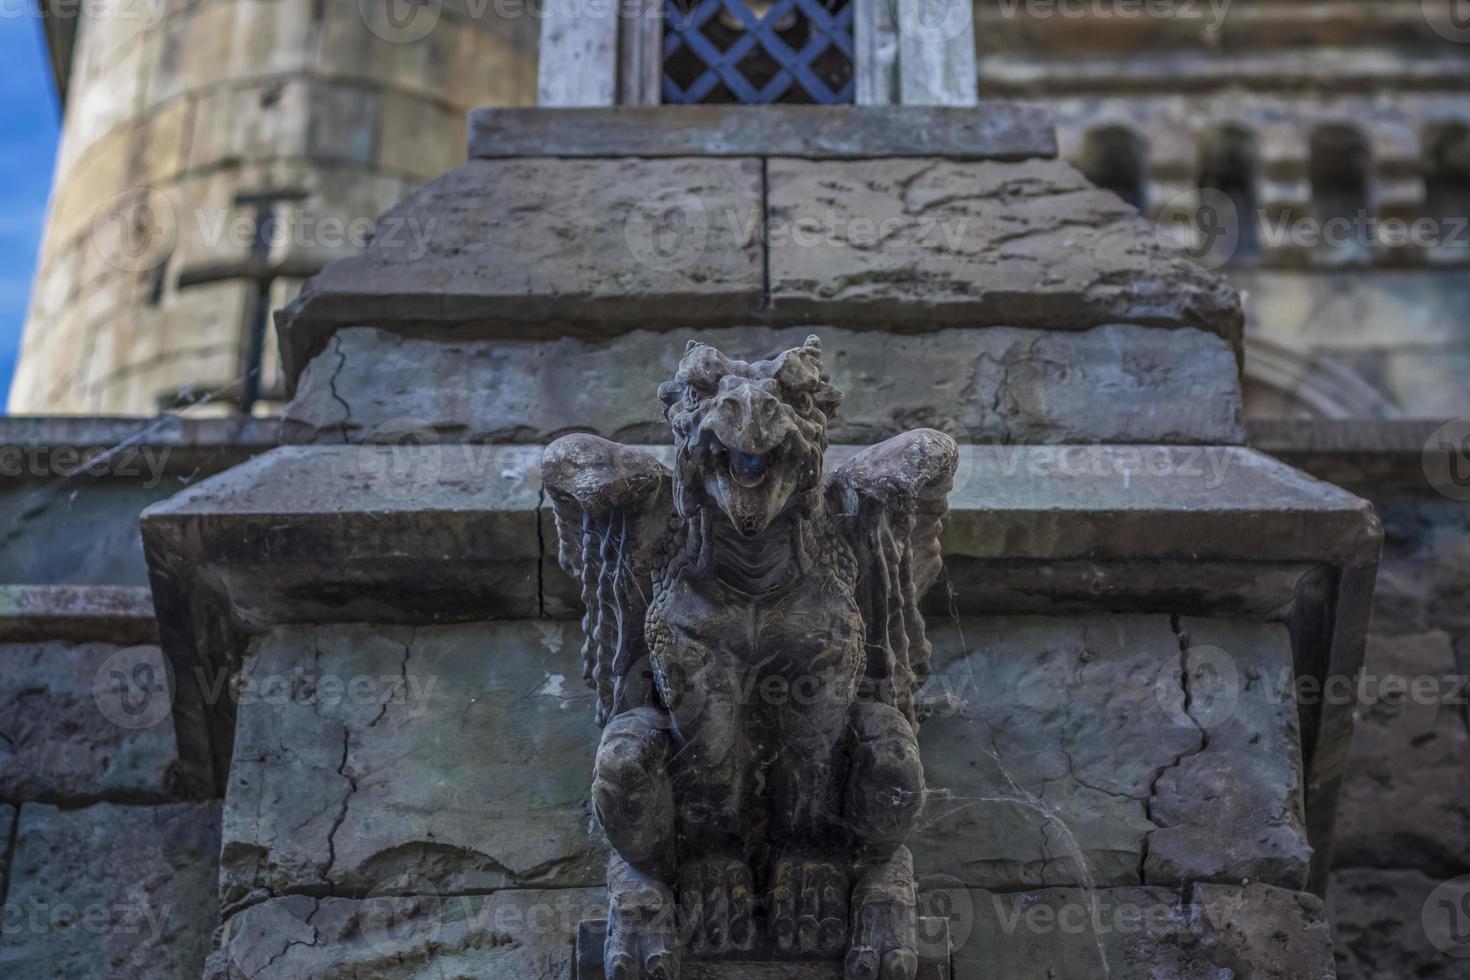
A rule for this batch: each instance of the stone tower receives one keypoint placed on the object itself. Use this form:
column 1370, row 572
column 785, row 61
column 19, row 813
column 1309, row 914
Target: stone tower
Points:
column 216, row 153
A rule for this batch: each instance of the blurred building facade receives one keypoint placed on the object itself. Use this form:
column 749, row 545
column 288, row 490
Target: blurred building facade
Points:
column 214, row 154
column 1337, row 131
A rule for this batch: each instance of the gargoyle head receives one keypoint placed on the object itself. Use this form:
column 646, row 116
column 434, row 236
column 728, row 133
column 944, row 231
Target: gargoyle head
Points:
column 749, row 436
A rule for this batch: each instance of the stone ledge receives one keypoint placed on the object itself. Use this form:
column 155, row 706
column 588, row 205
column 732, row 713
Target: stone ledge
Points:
column 456, row 532
column 990, row 131
column 114, row 613
column 168, row 443
column 1374, row 454
column 71, row 489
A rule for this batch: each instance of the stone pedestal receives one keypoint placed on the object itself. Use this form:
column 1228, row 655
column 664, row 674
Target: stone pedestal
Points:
column 1112, row 553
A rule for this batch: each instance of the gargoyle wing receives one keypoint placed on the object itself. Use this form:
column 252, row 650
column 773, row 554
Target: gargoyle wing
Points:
column 891, row 500
column 613, row 507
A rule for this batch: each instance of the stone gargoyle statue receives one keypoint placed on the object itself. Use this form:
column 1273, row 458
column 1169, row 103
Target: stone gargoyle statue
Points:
column 754, row 638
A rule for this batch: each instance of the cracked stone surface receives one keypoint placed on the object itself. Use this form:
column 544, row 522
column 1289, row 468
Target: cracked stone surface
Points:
column 1234, row 808
column 1405, row 802
column 534, row 244
column 1382, row 922
column 59, row 743
column 997, row 383
column 1025, row 244
column 111, row 891
column 459, row 755
column 1060, row 737
column 406, row 934
column 1220, row 931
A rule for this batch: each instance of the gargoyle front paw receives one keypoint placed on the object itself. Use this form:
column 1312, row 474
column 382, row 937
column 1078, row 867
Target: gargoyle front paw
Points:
column 809, row 906
column 884, row 922
column 641, row 942
column 716, row 898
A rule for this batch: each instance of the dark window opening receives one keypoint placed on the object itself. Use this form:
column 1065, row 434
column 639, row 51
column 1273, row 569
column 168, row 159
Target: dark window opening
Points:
column 1339, row 169
column 1115, row 158
column 1447, row 172
column 1228, row 165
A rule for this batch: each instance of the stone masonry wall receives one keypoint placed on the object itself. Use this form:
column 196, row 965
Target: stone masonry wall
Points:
column 1404, row 824
column 176, row 107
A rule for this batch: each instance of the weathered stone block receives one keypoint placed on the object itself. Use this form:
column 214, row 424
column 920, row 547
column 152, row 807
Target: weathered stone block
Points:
column 1057, row 754
column 115, row 891
column 85, row 721
column 459, row 756
column 1404, row 802
column 618, row 241
column 1218, row 931
column 512, row 933
column 1041, row 386
column 1391, row 924
column 1028, row 244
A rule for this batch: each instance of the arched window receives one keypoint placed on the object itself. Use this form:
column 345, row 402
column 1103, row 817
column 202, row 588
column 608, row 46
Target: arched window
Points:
column 1339, row 168
column 1115, row 158
column 1447, row 171
column 1228, row 164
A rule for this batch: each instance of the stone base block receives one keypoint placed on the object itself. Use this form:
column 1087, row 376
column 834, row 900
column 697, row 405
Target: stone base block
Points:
column 457, row 758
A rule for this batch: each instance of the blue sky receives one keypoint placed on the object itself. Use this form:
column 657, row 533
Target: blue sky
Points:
column 29, row 124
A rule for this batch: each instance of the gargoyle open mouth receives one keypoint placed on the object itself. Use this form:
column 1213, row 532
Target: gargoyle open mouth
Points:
column 747, row 469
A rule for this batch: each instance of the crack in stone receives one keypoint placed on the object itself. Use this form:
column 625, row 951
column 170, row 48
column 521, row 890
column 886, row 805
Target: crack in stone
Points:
column 315, row 938
column 1204, row 743
column 346, row 799
column 332, row 386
